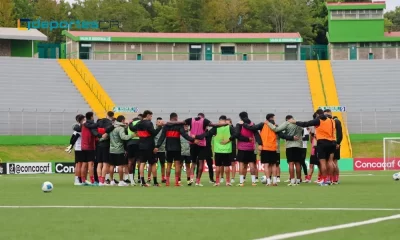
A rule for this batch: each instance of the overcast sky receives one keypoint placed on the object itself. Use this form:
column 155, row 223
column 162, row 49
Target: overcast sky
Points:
column 390, row 4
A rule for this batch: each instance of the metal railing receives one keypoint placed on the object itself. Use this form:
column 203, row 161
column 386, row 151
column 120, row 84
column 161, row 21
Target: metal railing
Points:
column 90, row 84
column 59, row 121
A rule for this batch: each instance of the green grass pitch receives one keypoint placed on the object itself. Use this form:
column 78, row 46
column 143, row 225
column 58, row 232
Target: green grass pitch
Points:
column 176, row 221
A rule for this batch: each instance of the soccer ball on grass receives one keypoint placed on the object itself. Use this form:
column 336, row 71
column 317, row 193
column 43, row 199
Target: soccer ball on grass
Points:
column 47, row 187
column 264, row 179
column 396, row 176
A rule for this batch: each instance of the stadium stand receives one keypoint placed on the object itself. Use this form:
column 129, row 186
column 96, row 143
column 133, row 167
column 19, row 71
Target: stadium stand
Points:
column 37, row 97
column 214, row 88
column 370, row 92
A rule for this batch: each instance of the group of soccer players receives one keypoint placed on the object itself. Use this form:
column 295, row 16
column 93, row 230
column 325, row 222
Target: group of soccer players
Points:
column 115, row 142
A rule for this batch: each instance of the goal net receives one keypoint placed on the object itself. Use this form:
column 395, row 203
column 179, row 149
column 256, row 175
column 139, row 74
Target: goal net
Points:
column 391, row 153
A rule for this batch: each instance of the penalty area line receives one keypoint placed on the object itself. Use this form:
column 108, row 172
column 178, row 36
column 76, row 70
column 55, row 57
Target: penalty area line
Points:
column 332, row 228
column 206, row 208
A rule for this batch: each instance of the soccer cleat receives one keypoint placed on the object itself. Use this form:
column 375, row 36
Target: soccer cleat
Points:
column 156, row 185
column 253, row 184
column 77, row 184
column 122, row 184
column 145, row 185
column 96, row 184
column 278, row 179
column 287, row 180
column 222, row 180
column 113, row 183
column 324, row 184
column 240, row 185
column 199, row 185
column 274, row 184
column 148, row 180
column 190, row 182
column 216, row 184
column 232, row 181
column 228, row 185
column 164, row 180
column 101, row 184
column 133, row 183
column 212, row 181
column 178, row 184
column 127, row 181
column 257, row 180
column 292, row 184
column 167, row 184
column 116, row 181
column 267, row 185
column 108, row 181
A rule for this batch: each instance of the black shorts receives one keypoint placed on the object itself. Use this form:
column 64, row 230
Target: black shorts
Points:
column 233, row 156
column 268, row 157
column 147, row 156
column 118, row 159
column 223, row 159
column 197, row 152
column 79, row 157
column 303, row 154
column 278, row 159
column 294, row 154
column 314, row 160
column 133, row 151
column 336, row 155
column 246, row 156
column 102, row 154
column 88, row 155
column 325, row 148
column 174, row 156
column 187, row 159
column 160, row 156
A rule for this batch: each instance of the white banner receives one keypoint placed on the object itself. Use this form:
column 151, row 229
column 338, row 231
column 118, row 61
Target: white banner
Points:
column 29, row 168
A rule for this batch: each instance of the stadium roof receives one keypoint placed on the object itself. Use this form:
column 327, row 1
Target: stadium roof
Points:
column 16, row 34
column 183, row 37
column 356, row 5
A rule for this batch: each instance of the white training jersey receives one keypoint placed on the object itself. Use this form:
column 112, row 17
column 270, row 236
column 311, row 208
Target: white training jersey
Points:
column 78, row 144
column 305, row 133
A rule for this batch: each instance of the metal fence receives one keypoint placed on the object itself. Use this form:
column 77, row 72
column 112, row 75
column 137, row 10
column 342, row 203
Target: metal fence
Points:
column 59, row 122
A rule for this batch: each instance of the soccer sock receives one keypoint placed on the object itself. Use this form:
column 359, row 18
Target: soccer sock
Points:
column 83, row 179
column 228, row 176
column 80, row 179
column 241, row 177
column 76, row 179
column 217, row 182
column 192, row 176
column 253, row 178
column 198, row 180
column 155, row 180
column 108, row 176
column 273, row 180
column 297, row 180
column 188, row 178
column 292, row 181
column 268, row 181
column 92, row 179
column 256, row 177
column 142, row 180
column 131, row 177
column 177, row 179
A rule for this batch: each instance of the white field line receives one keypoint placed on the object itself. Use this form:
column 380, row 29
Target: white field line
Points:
column 205, row 208
column 332, row 228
